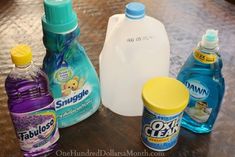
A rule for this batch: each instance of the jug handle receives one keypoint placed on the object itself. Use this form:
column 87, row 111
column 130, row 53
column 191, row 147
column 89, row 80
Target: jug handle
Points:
column 111, row 24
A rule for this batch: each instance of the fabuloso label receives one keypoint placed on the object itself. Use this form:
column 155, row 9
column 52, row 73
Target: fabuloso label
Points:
column 205, row 58
column 36, row 130
column 160, row 132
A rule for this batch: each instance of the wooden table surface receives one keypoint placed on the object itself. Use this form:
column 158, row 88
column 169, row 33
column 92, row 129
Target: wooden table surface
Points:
column 105, row 132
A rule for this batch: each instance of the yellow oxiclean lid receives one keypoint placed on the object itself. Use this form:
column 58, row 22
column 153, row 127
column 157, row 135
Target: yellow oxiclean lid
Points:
column 21, row 55
column 164, row 95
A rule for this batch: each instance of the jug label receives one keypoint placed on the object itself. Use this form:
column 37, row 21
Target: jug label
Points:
column 36, row 130
column 140, row 38
column 205, row 58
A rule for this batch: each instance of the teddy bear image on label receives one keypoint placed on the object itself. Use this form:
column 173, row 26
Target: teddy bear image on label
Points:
column 73, row 84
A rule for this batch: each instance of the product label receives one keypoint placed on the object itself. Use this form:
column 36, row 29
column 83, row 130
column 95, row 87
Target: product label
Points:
column 198, row 109
column 63, row 75
column 74, row 89
column 197, row 89
column 160, row 132
column 205, row 58
column 73, row 98
column 200, row 112
column 36, row 130
column 140, row 38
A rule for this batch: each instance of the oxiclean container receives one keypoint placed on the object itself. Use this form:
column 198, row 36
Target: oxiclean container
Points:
column 164, row 101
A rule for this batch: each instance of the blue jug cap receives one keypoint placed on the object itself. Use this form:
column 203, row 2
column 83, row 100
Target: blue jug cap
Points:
column 135, row 10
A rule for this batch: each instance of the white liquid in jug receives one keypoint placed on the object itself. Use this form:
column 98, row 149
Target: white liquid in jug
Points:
column 135, row 50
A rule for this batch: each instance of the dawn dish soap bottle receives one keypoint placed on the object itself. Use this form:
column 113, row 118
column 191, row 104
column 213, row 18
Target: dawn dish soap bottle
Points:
column 73, row 80
column 202, row 76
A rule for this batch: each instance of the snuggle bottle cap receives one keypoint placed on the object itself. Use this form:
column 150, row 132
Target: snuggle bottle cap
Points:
column 21, row 55
column 59, row 16
column 210, row 39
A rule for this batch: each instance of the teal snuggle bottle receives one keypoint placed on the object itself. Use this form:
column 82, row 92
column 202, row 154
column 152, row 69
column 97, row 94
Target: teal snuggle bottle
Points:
column 73, row 80
column 202, row 76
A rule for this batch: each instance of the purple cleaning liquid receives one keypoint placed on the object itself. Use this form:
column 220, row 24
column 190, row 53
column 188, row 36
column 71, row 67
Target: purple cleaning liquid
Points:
column 32, row 110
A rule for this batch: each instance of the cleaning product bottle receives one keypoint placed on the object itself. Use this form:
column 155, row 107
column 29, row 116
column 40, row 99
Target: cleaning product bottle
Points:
column 136, row 49
column 202, row 76
column 31, row 105
column 72, row 77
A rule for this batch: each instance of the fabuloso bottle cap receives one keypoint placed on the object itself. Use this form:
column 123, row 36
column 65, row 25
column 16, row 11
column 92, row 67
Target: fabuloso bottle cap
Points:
column 59, row 16
column 210, row 39
column 135, row 10
column 21, row 55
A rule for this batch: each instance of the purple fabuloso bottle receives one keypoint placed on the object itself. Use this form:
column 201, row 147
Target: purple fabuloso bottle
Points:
column 31, row 105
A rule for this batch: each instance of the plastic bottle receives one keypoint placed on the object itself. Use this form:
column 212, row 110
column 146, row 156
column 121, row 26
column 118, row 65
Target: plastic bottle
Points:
column 202, row 75
column 72, row 77
column 136, row 48
column 31, row 105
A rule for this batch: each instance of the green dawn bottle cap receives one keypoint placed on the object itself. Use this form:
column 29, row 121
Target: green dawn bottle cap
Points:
column 210, row 40
column 59, row 16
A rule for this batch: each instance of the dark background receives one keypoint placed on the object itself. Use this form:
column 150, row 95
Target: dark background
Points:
column 185, row 21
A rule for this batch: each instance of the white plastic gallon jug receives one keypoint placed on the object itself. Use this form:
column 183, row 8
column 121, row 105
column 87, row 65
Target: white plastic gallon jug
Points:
column 136, row 49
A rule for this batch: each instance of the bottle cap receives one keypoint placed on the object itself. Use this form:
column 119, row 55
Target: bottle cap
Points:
column 165, row 96
column 59, row 16
column 21, row 55
column 135, row 10
column 210, row 39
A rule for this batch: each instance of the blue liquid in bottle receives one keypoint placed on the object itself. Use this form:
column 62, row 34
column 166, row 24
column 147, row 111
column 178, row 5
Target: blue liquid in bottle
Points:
column 202, row 75
column 72, row 78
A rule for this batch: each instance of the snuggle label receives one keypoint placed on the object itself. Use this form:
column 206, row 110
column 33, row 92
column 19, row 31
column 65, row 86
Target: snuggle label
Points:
column 63, row 74
column 36, row 130
column 75, row 96
column 160, row 132
column 74, row 90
